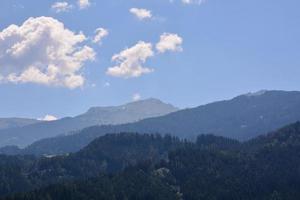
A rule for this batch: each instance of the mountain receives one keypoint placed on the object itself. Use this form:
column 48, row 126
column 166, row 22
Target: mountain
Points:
column 130, row 112
column 11, row 150
column 266, row 167
column 108, row 154
column 6, row 123
column 243, row 117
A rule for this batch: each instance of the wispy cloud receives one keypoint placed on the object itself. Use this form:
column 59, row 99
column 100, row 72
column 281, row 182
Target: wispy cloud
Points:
column 61, row 6
column 199, row 2
column 190, row 2
column 100, row 33
column 141, row 13
column 106, row 84
column 83, row 4
column 136, row 97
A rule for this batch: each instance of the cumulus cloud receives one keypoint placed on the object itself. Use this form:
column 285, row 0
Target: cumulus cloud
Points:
column 43, row 51
column 48, row 118
column 83, row 4
column 61, row 6
column 136, row 97
column 141, row 13
column 100, row 33
column 169, row 42
column 130, row 61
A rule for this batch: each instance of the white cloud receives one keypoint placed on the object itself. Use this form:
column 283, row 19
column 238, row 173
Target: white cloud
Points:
column 169, row 42
column 136, row 97
column 193, row 1
column 106, row 84
column 61, row 6
column 130, row 61
column 141, row 13
column 189, row 2
column 43, row 51
column 83, row 4
column 100, row 34
column 48, row 118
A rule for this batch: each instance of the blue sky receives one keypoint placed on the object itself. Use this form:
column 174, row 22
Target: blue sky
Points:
column 228, row 48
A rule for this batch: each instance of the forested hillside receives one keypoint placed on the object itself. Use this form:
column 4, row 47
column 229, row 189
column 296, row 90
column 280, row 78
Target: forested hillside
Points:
column 109, row 154
column 213, row 167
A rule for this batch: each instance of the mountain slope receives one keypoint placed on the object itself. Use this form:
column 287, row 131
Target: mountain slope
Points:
column 130, row 112
column 6, row 123
column 213, row 167
column 132, row 184
column 242, row 118
column 271, row 171
column 108, row 154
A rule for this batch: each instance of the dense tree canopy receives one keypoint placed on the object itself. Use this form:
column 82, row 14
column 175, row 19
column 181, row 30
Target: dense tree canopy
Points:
column 133, row 166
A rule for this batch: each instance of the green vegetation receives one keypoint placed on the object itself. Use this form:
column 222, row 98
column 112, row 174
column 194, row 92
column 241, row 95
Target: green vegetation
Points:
column 133, row 166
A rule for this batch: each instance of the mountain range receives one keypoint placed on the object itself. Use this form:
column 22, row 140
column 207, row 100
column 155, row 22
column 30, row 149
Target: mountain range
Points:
column 26, row 134
column 6, row 123
column 242, row 118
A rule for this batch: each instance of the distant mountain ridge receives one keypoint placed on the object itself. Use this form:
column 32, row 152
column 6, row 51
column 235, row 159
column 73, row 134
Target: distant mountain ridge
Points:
column 243, row 117
column 131, row 112
column 127, row 113
column 6, row 123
